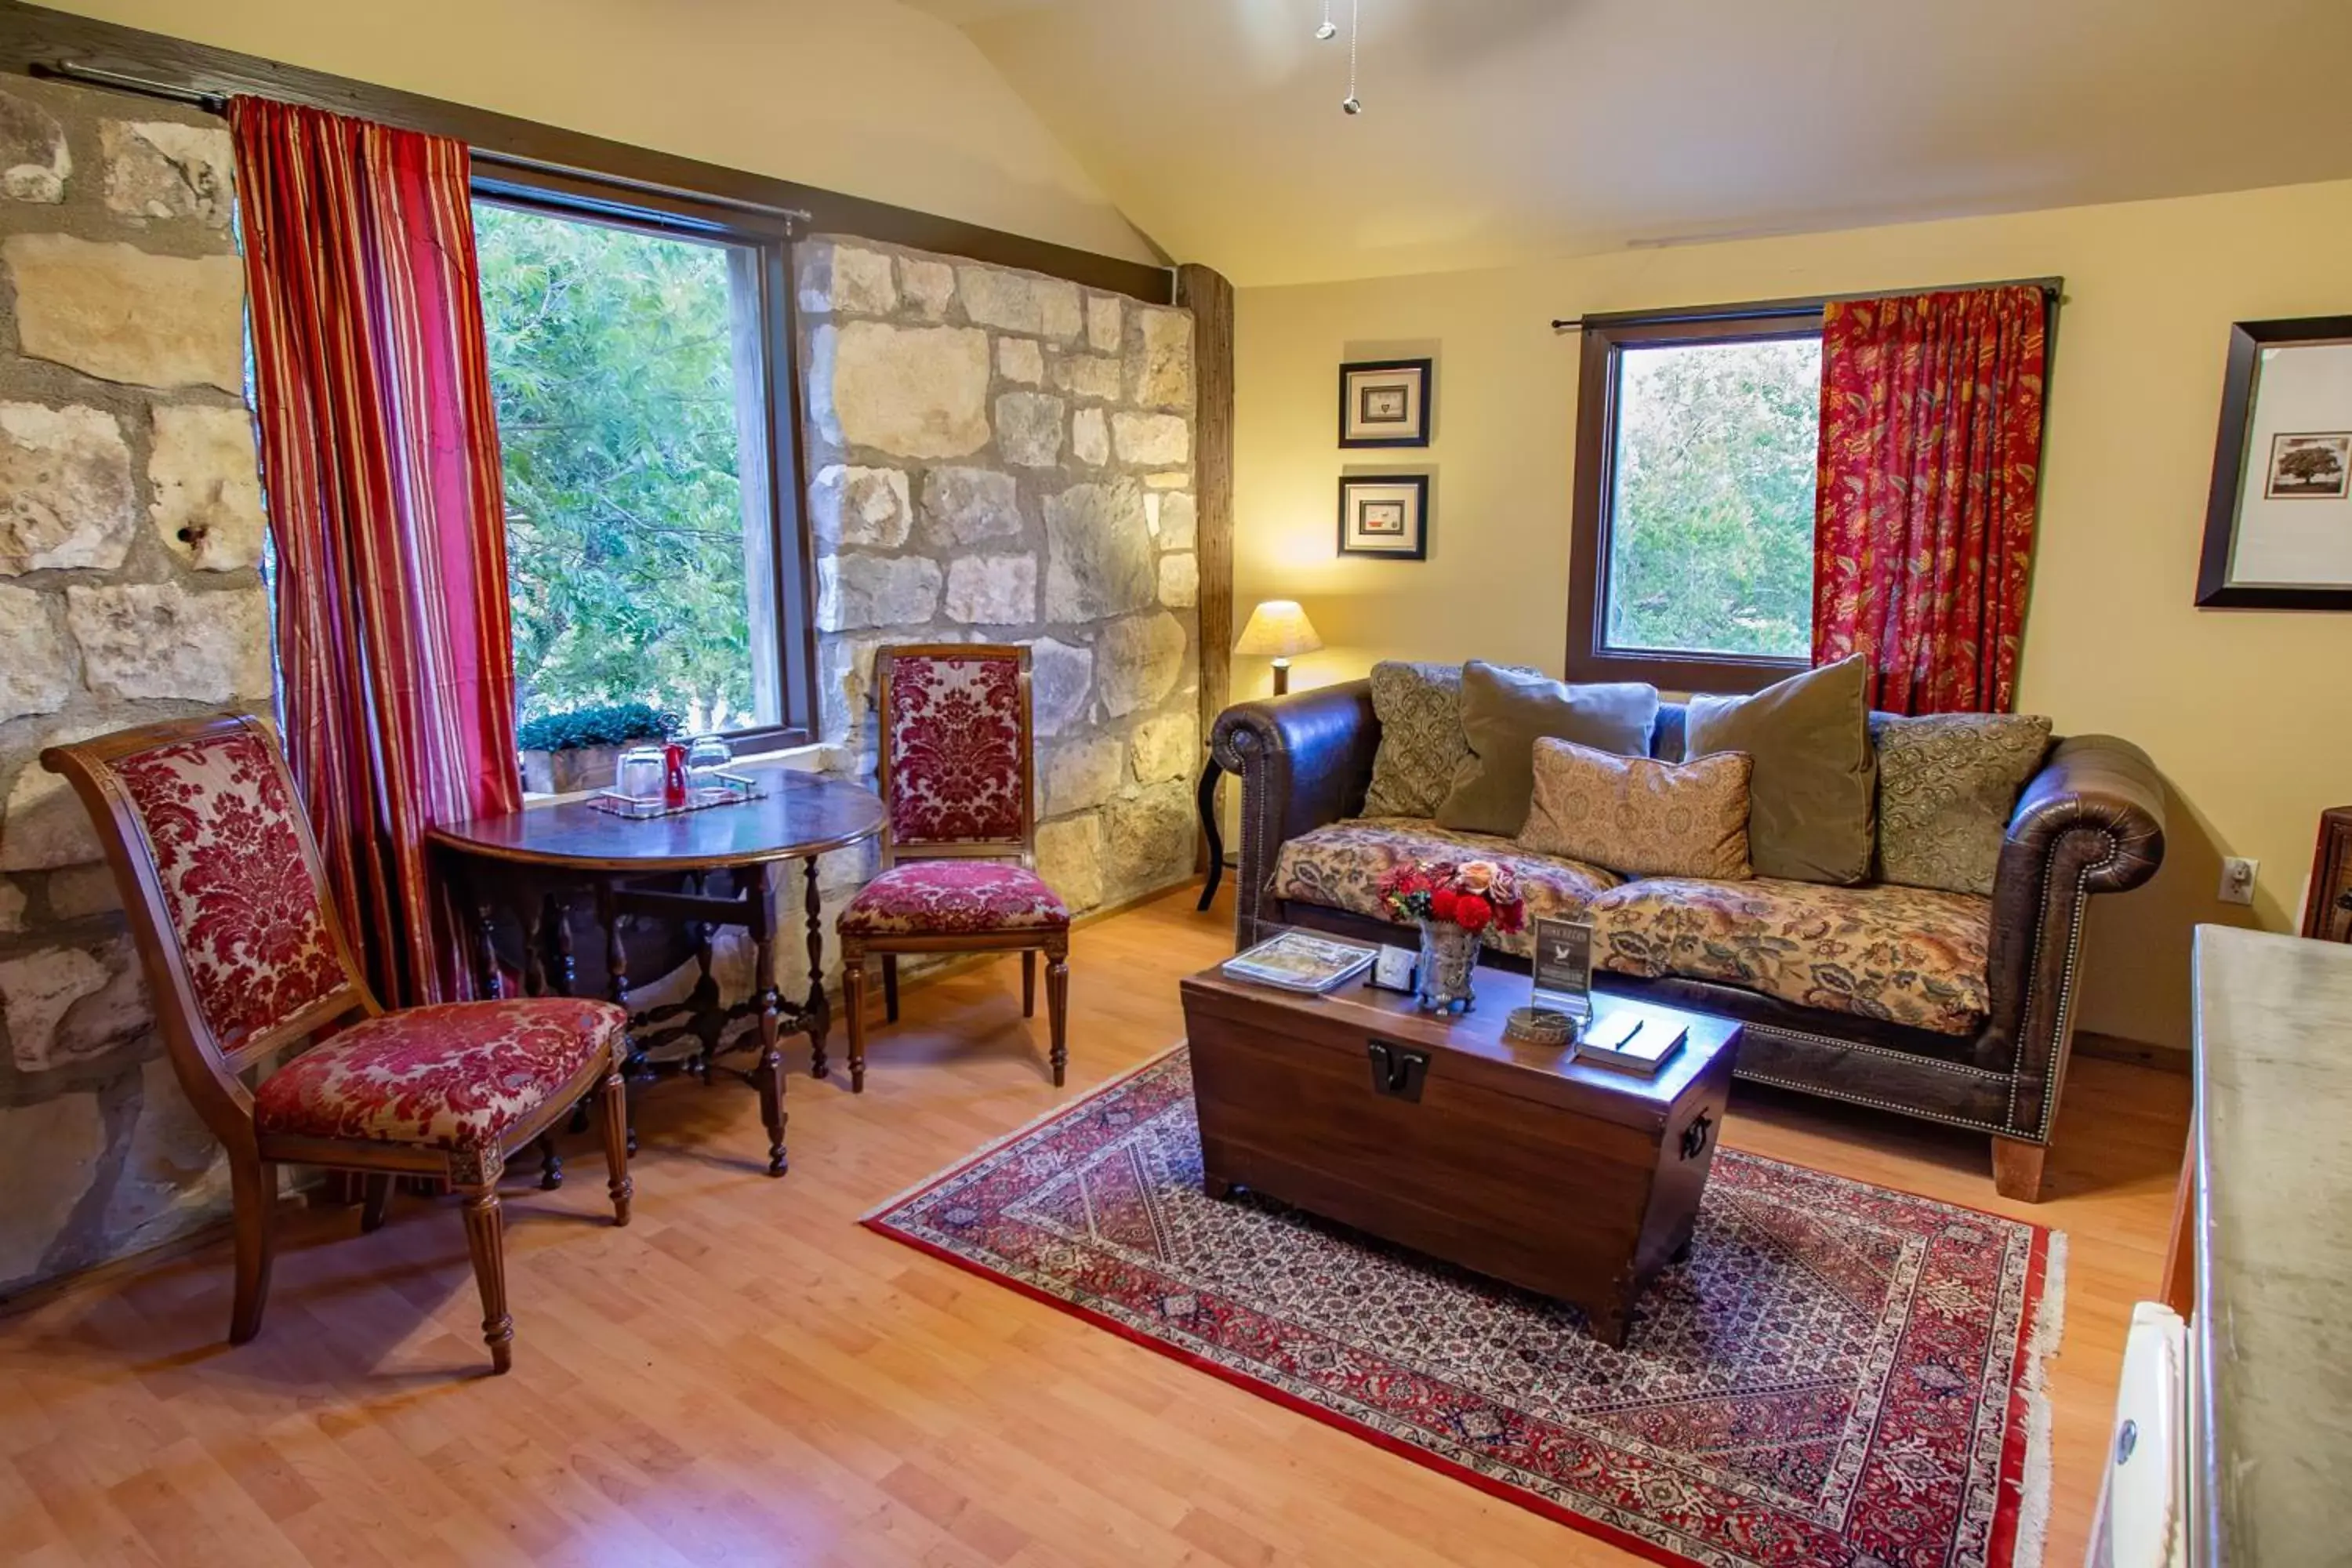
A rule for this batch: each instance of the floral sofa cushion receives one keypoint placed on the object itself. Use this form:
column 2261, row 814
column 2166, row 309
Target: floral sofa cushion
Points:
column 1907, row 955
column 1340, row 867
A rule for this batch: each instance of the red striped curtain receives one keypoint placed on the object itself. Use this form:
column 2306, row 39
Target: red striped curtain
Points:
column 1930, row 462
column 380, row 463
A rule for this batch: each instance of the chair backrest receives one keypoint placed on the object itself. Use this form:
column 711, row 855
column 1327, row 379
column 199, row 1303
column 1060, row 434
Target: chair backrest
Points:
column 226, row 893
column 957, row 759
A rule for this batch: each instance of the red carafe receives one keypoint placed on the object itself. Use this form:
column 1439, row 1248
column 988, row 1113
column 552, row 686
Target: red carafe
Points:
column 673, row 774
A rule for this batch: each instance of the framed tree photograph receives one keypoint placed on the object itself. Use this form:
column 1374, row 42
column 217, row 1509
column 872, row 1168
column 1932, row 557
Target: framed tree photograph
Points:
column 1385, row 403
column 2278, row 521
column 1386, row 515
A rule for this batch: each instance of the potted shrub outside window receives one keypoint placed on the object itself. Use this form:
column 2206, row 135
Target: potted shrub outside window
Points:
column 564, row 754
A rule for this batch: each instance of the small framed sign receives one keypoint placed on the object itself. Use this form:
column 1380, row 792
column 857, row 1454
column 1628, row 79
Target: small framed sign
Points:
column 1385, row 515
column 1384, row 402
column 1563, row 966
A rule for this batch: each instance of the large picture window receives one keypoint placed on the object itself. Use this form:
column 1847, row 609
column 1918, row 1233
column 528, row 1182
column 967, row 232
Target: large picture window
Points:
column 1692, row 556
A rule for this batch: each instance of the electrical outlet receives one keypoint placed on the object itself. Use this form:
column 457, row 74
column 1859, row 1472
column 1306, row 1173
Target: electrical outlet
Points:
column 2238, row 879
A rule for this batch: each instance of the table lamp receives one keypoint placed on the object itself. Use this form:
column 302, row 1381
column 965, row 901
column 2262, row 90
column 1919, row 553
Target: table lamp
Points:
column 1279, row 628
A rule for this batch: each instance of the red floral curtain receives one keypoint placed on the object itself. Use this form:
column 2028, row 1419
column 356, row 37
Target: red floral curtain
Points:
column 380, row 462
column 1931, row 456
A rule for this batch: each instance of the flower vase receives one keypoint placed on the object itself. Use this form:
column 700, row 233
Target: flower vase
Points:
column 1449, row 960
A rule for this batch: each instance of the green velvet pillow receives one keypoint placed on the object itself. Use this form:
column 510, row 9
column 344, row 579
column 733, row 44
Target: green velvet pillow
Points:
column 1419, row 709
column 1946, row 783
column 1506, row 710
column 1812, row 796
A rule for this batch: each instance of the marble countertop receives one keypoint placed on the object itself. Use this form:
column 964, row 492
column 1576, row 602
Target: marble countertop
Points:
column 2273, row 1319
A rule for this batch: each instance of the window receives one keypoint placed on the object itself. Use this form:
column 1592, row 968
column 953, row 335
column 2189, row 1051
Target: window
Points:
column 1692, row 557
column 640, row 362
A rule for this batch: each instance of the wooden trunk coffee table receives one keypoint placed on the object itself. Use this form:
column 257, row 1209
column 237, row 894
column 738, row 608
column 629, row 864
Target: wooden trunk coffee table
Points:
column 1435, row 1132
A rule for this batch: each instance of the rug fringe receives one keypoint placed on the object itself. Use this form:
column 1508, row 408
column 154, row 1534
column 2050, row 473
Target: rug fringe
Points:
column 1034, row 1122
column 2043, row 1333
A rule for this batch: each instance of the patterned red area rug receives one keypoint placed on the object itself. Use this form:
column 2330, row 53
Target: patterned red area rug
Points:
column 1839, row 1375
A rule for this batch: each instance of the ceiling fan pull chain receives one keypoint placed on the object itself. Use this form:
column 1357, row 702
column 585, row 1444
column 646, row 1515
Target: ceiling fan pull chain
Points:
column 1352, row 104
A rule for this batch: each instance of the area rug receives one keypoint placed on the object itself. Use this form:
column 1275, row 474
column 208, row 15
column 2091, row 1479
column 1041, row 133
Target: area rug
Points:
column 1839, row 1375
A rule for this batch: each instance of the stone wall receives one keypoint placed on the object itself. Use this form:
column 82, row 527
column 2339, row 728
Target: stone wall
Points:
column 999, row 457
column 130, row 534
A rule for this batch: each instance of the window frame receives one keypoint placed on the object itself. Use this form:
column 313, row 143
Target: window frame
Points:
column 769, row 236
column 1589, row 656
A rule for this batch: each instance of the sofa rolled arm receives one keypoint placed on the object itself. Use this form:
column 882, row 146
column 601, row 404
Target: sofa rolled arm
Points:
column 2091, row 821
column 1303, row 760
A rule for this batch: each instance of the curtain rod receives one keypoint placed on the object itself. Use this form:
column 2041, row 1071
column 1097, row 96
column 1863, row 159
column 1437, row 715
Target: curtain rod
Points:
column 2053, row 293
column 215, row 102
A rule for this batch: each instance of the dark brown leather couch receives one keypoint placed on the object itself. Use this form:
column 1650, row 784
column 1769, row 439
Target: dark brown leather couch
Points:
column 2091, row 821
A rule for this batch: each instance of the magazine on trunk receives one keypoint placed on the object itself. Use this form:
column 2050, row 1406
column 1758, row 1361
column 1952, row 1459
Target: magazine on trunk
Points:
column 1297, row 961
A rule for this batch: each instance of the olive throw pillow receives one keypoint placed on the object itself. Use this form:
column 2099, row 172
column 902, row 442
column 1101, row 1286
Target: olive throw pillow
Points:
column 1947, row 785
column 1506, row 710
column 1419, row 709
column 1639, row 816
column 1815, row 782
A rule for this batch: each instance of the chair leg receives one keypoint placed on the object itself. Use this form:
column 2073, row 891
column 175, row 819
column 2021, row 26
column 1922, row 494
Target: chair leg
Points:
column 1029, row 983
column 378, row 1199
column 614, row 1094
column 853, row 1002
column 253, row 1189
column 1057, row 1010
column 890, row 987
column 486, row 1240
column 551, row 1162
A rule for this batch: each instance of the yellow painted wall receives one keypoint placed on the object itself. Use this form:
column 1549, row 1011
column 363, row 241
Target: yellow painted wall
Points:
column 870, row 98
column 2248, row 713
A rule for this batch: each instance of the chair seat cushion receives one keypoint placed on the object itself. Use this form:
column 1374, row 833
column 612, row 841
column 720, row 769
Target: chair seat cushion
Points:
column 455, row 1076
column 1339, row 866
column 1905, row 955
column 953, row 897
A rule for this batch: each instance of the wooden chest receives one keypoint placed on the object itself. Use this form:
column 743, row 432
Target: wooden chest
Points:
column 1435, row 1132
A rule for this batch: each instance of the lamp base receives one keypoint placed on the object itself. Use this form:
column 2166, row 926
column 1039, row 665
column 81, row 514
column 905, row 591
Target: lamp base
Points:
column 1282, row 677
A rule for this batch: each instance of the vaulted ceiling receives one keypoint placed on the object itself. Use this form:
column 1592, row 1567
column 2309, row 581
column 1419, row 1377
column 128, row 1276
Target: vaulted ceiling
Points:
column 1497, row 131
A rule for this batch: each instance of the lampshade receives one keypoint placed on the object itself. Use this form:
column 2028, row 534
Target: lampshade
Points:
column 1278, row 628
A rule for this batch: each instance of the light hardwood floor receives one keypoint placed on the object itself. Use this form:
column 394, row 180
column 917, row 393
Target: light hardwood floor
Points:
column 745, row 1375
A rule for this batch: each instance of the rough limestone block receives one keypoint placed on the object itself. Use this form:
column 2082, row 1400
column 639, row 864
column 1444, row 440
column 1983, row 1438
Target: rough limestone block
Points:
column 1061, row 679
column 859, row 591
column 1029, row 429
column 50, row 1154
column 36, row 672
column 961, row 506
column 65, row 492
column 913, row 392
column 1104, row 323
column 845, row 667
column 1022, row 359
column 1140, row 660
column 1006, row 300
column 121, row 314
column 1180, row 581
column 1098, row 558
column 12, row 908
column 1090, row 437
column 1176, row 481
column 993, row 590
column 860, row 506
column 158, row 640
column 1149, row 838
column 928, row 286
column 43, row 825
column 174, row 1175
column 1070, row 859
column 80, row 892
column 207, row 487
column 1084, row 376
column 861, row 283
column 1060, row 313
column 1159, row 375
column 1179, row 520
column 34, row 159
column 1167, row 748
column 1153, row 439
column 158, row 169
column 69, row 1004
column 1083, row 774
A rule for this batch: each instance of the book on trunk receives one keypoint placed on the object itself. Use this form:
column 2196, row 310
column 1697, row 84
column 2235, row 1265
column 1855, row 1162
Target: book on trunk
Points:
column 1628, row 1042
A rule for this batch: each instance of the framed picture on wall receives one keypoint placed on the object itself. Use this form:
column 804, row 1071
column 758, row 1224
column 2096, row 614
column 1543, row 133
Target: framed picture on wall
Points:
column 1384, row 402
column 2278, row 521
column 1386, row 515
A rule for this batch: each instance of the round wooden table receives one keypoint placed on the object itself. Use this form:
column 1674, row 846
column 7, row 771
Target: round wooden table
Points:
column 533, row 862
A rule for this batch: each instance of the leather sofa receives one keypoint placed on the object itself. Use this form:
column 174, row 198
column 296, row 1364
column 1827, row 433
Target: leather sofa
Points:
column 2091, row 821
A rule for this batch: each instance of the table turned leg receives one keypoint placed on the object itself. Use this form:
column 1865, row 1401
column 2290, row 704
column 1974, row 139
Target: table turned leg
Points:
column 768, row 998
column 616, row 968
column 819, row 1010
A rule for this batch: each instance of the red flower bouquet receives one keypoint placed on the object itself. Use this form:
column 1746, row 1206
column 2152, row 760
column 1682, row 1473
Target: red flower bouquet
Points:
column 1474, row 895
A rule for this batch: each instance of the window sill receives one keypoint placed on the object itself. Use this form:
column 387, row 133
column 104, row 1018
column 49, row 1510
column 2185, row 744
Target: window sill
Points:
column 1729, row 675
column 816, row 757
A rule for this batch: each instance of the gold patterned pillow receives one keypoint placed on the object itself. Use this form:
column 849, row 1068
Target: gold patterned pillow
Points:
column 1946, row 783
column 1641, row 816
column 1419, row 709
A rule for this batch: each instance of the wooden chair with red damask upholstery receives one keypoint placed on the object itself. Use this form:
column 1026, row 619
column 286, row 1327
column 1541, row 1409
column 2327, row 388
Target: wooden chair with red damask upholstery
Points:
column 247, row 963
column 956, row 775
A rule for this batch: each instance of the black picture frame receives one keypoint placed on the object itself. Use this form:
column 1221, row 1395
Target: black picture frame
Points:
column 2241, row 389
column 1419, row 485
column 1423, row 370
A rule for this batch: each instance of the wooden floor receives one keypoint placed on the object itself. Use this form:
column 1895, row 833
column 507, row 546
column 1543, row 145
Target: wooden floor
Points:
column 747, row 1376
